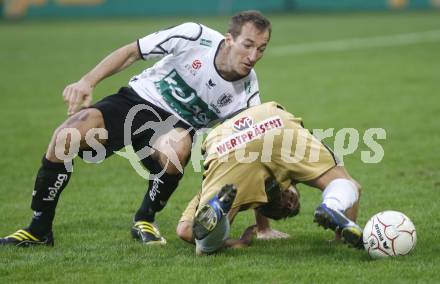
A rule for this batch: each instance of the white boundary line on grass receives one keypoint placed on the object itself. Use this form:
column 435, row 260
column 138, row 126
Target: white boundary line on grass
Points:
column 355, row 43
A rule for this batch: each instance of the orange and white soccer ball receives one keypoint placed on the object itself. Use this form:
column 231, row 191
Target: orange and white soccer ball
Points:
column 389, row 233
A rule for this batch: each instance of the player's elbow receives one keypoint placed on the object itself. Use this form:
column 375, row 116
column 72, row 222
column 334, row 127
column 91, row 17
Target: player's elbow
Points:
column 184, row 231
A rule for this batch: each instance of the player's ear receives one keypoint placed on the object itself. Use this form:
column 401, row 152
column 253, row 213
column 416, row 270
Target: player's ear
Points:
column 229, row 39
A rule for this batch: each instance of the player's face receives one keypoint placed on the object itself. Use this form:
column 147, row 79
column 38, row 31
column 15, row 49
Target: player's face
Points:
column 292, row 204
column 246, row 49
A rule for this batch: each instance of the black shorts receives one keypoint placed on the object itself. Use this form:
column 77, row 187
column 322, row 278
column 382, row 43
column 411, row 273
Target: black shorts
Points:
column 115, row 109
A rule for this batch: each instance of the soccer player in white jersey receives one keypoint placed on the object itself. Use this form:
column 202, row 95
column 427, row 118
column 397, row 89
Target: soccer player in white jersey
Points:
column 202, row 76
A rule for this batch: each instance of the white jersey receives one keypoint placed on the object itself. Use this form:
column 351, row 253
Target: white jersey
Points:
column 185, row 82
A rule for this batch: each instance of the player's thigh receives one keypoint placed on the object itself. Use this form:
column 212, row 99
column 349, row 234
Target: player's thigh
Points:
column 318, row 166
column 85, row 120
column 305, row 159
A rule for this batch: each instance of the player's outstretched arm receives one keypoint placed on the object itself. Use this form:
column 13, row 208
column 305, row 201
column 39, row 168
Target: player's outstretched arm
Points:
column 79, row 94
column 246, row 237
column 262, row 231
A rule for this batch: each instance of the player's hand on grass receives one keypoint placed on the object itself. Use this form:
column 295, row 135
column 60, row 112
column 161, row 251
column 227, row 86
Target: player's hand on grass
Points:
column 245, row 239
column 77, row 95
column 271, row 234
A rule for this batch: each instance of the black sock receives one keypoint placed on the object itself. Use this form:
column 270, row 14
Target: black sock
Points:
column 51, row 179
column 159, row 191
column 41, row 223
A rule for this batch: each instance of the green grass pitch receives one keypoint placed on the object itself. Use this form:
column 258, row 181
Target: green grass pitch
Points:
column 394, row 86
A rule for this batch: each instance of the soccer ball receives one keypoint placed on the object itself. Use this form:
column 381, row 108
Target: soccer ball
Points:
column 389, row 233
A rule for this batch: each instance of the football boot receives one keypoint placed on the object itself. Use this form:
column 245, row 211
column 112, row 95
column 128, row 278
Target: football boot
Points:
column 147, row 233
column 23, row 238
column 210, row 214
column 338, row 222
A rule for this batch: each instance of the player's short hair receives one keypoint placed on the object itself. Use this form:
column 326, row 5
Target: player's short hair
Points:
column 255, row 17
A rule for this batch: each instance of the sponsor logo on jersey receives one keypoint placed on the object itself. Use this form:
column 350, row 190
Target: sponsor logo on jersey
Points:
column 215, row 108
column 205, row 42
column 250, row 133
column 184, row 100
column 210, row 84
column 196, row 64
column 224, row 100
column 243, row 123
column 191, row 70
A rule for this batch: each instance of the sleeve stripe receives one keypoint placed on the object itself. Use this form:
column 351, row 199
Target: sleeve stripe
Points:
column 139, row 50
column 253, row 95
column 156, row 52
column 175, row 36
column 163, row 50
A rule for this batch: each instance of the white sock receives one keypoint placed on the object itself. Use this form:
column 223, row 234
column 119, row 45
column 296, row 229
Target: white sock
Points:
column 340, row 194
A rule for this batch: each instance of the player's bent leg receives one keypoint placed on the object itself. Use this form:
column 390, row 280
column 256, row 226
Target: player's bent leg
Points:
column 52, row 177
column 338, row 210
column 166, row 164
column 145, row 215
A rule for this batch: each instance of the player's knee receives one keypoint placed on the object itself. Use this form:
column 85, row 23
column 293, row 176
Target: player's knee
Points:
column 175, row 158
column 68, row 137
column 65, row 142
column 184, row 231
column 173, row 150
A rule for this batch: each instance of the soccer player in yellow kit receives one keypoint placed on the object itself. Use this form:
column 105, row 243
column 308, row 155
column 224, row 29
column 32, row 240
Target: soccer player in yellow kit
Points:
column 260, row 145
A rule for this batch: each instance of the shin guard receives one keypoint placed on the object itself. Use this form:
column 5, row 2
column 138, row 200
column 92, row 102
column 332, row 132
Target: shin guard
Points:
column 51, row 179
